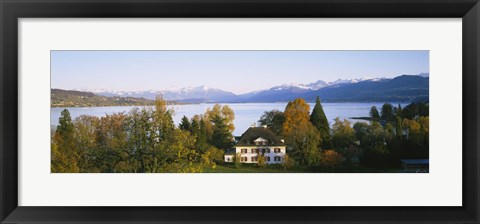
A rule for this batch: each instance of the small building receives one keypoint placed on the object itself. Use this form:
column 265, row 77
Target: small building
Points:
column 415, row 165
column 255, row 142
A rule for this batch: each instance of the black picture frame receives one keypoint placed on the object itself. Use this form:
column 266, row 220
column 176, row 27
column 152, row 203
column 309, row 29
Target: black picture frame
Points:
column 12, row 10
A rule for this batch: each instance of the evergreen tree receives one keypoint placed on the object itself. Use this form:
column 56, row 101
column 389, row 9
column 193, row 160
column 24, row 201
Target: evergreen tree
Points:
column 387, row 112
column 185, row 124
column 222, row 137
column 64, row 154
column 201, row 133
column 319, row 120
column 399, row 111
column 374, row 112
column 194, row 126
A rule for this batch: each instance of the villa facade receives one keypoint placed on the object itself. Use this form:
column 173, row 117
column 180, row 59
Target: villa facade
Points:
column 256, row 142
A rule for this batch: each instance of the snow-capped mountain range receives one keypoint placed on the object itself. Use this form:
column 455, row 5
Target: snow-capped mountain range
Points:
column 278, row 93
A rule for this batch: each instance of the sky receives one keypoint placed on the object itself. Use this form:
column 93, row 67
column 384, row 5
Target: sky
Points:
column 234, row 71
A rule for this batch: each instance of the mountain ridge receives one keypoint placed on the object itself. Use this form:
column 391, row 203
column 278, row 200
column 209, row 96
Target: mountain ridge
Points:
column 285, row 92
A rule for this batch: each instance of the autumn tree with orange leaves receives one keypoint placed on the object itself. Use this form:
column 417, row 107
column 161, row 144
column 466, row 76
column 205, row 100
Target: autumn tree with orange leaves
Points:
column 302, row 138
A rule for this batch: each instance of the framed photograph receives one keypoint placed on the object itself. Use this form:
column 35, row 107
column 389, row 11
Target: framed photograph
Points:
column 248, row 112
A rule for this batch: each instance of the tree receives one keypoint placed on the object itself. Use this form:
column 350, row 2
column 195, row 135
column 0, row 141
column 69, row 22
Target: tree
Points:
column 374, row 112
column 111, row 139
column 85, row 136
column 274, row 120
column 287, row 162
column 399, row 111
column 387, row 112
column 376, row 133
column 415, row 109
column 261, row 161
column 362, row 132
column 64, row 158
column 201, row 136
column 331, row 159
column 185, row 124
column 343, row 134
column 412, row 130
column 224, row 112
column 301, row 137
column 389, row 132
column 399, row 128
column 319, row 120
column 218, row 113
column 221, row 138
column 212, row 157
column 237, row 160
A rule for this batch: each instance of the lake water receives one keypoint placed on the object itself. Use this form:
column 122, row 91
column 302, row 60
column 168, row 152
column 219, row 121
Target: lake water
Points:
column 245, row 113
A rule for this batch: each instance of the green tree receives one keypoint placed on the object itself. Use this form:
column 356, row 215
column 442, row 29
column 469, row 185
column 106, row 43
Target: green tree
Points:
column 399, row 128
column 343, row 134
column 111, row 139
column 274, row 120
column 415, row 109
column 201, row 137
column 319, row 120
column 185, row 124
column 64, row 157
column 387, row 112
column 222, row 138
column 362, row 132
column 374, row 112
column 237, row 160
column 85, row 136
column 399, row 111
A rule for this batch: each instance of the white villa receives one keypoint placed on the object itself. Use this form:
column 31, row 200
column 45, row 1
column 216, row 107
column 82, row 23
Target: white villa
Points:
column 258, row 141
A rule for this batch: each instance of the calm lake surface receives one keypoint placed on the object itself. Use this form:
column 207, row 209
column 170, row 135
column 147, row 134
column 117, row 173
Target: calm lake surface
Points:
column 245, row 113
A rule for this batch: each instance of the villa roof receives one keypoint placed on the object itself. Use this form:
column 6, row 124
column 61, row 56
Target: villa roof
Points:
column 254, row 133
column 230, row 152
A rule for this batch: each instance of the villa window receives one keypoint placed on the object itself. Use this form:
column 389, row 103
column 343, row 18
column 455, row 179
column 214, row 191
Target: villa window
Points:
column 254, row 159
column 267, row 158
column 244, row 150
column 278, row 158
column 254, row 150
column 266, row 150
column 244, row 159
column 277, row 150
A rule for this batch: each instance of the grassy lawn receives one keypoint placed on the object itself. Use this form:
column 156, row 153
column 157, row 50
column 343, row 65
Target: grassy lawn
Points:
column 251, row 168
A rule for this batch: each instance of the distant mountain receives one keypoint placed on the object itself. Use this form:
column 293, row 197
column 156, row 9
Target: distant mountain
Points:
column 72, row 98
column 398, row 89
column 350, row 81
column 199, row 94
column 276, row 94
column 401, row 88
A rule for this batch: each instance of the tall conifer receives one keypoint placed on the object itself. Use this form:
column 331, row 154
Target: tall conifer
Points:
column 319, row 120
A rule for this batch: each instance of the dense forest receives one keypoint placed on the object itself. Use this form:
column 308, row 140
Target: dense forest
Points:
column 147, row 140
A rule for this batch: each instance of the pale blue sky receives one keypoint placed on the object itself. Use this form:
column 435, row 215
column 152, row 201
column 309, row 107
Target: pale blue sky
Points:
column 235, row 71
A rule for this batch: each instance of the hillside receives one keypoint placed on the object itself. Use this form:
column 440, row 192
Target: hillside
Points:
column 404, row 88
column 399, row 89
column 71, row 98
